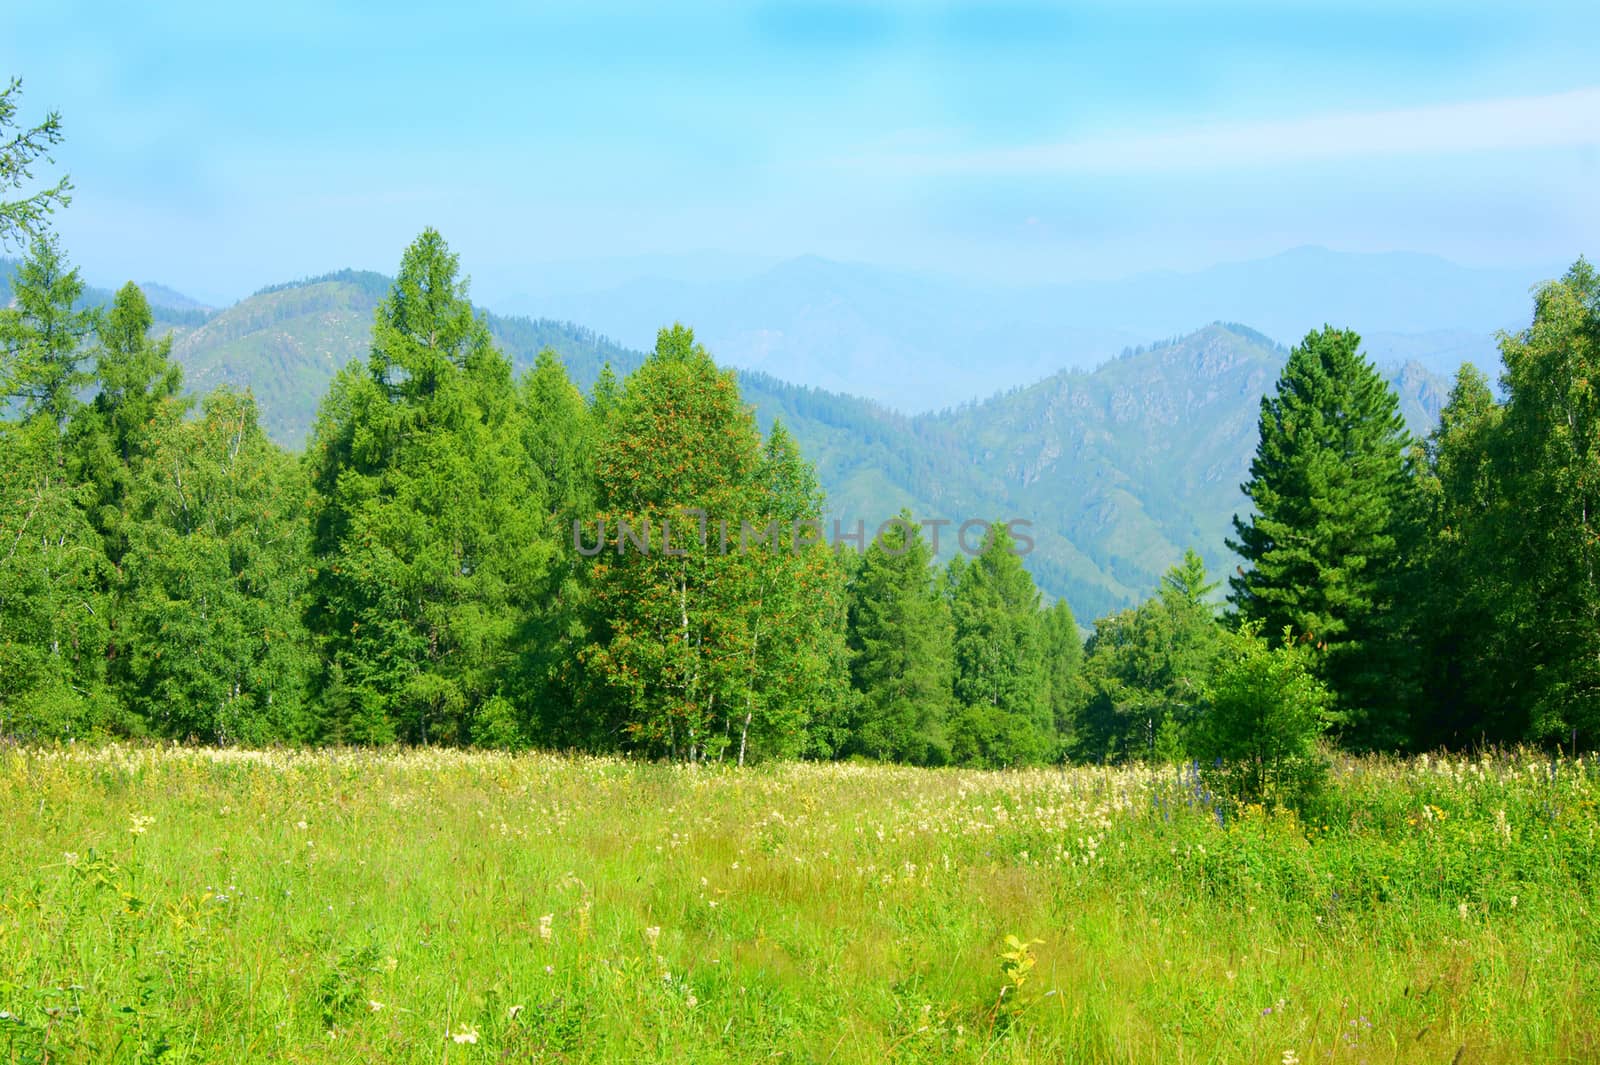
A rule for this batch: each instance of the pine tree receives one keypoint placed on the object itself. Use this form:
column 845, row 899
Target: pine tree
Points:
column 140, row 394
column 900, row 640
column 431, row 533
column 1333, row 523
column 1003, row 714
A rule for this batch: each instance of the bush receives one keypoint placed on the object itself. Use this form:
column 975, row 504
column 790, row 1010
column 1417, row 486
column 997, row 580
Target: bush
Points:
column 1265, row 710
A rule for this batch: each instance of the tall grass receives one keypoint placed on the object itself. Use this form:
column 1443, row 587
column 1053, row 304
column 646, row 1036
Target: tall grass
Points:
column 189, row 905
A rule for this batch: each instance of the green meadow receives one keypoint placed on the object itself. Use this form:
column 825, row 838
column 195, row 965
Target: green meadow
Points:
column 173, row 904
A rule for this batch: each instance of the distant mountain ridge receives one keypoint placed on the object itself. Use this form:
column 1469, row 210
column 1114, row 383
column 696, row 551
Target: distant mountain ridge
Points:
column 1119, row 468
column 918, row 342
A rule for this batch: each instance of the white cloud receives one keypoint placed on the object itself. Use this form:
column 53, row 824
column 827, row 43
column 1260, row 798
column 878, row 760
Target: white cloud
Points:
column 1558, row 120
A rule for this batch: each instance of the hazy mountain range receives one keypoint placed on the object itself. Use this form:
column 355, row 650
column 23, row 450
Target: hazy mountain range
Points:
column 918, row 341
column 1119, row 466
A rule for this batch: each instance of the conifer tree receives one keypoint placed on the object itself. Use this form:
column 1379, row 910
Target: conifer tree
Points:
column 560, row 436
column 1063, row 648
column 53, row 609
column 1003, row 714
column 430, row 530
column 900, row 641
column 139, row 394
column 712, row 618
column 1145, row 670
column 26, row 219
column 1334, row 522
column 42, row 338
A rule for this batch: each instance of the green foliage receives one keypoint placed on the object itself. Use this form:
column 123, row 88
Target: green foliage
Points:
column 1265, row 710
column 1334, row 520
column 900, row 642
column 430, row 528
column 21, row 149
column 1467, row 600
column 1547, row 447
column 214, row 583
column 240, row 907
column 139, row 397
column 42, row 336
column 1144, row 671
column 1063, row 651
column 54, row 627
column 1001, row 682
column 718, row 638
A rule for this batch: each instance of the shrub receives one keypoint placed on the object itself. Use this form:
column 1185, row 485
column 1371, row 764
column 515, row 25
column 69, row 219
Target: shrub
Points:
column 1265, row 710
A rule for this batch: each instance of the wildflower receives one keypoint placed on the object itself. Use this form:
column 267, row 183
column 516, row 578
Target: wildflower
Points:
column 464, row 1033
column 690, row 1001
column 374, row 1006
column 140, row 823
column 1291, row 1058
column 511, row 1014
column 653, row 933
column 544, row 926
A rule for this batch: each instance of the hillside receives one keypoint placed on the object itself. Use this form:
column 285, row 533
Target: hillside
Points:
column 286, row 342
column 1119, row 468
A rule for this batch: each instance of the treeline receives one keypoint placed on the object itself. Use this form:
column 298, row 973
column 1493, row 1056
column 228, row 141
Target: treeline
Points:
column 421, row 573
column 417, row 575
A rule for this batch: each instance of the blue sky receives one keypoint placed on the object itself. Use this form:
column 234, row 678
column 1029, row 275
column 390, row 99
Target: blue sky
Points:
column 219, row 150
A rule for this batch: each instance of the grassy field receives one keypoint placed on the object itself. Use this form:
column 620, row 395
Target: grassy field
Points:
column 228, row 906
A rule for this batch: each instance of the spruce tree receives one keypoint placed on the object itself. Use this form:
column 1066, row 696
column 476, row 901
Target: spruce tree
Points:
column 1063, row 648
column 1003, row 714
column 1326, row 547
column 43, row 349
column 900, row 642
column 140, row 392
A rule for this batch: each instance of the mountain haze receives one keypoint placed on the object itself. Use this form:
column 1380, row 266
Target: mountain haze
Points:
column 920, row 341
